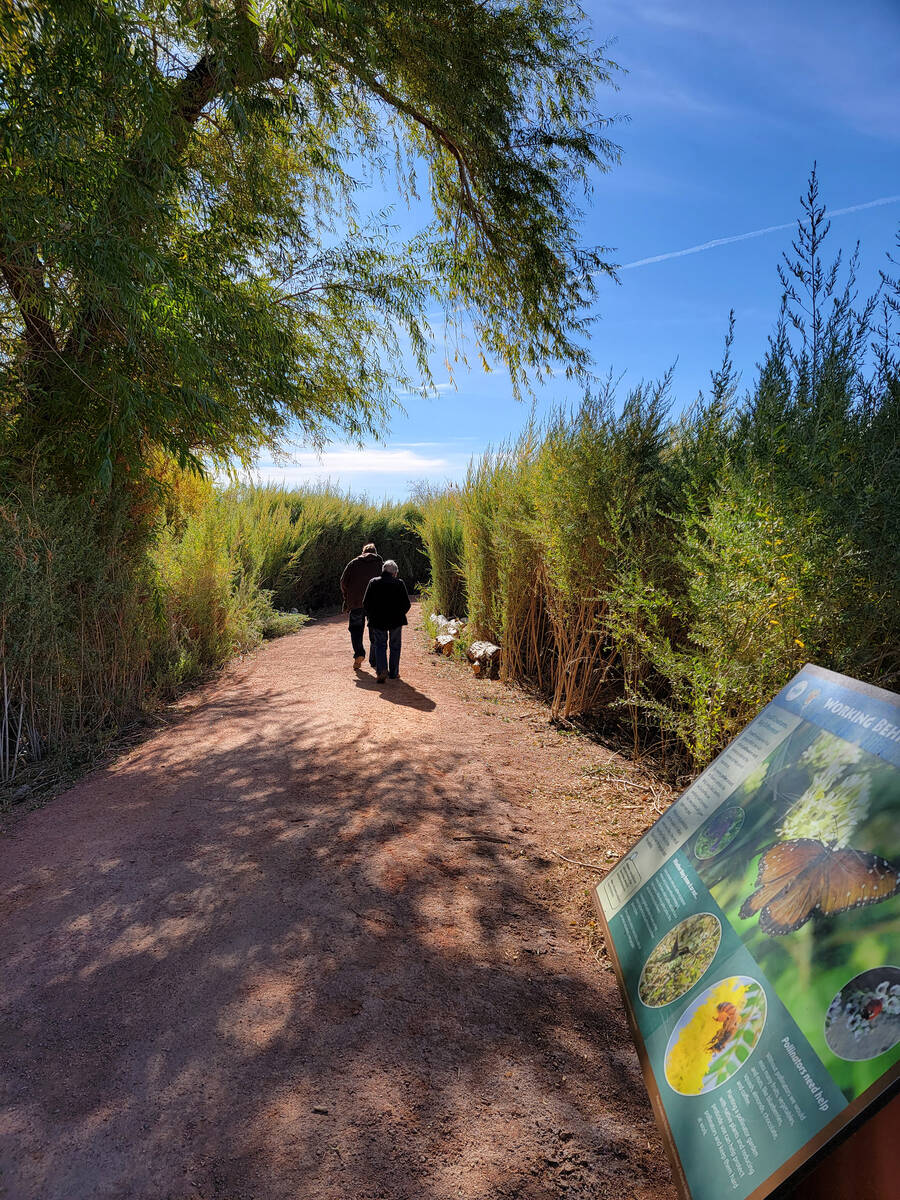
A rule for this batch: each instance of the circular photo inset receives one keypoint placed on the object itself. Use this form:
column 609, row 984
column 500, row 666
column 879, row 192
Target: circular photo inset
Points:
column 715, row 1035
column 863, row 1020
column 719, row 832
column 678, row 961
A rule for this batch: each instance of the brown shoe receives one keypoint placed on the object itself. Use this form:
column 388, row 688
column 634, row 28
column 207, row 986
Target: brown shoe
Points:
column 358, row 661
column 381, row 677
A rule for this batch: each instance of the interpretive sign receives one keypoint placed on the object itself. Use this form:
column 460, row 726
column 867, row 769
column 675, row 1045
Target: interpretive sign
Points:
column 755, row 931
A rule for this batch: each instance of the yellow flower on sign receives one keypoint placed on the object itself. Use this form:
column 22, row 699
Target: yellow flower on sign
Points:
column 688, row 1059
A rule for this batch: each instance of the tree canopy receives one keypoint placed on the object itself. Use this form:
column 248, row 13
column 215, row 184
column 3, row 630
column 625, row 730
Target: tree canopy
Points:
column 184, row 255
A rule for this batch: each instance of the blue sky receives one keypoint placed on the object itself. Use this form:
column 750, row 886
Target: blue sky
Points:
column 728, row 103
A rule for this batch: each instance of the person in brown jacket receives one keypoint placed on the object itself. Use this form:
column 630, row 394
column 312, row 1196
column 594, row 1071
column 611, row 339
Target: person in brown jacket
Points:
column 354, row 581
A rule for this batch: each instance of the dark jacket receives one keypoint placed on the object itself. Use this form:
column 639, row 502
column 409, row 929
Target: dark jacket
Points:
column 356, row 576
column 386, row 602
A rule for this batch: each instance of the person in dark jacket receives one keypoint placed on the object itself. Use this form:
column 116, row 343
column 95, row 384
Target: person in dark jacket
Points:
column 386, row 604
column 354, row 581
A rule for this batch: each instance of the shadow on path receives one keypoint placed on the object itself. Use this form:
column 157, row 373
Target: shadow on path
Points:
column 396, row 691
column 271, row 959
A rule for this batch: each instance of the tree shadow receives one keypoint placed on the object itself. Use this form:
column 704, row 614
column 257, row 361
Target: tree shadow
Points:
column 257, row 966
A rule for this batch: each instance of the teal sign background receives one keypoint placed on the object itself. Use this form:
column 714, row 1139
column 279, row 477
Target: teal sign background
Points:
column 813, row 785
column 732, row 1138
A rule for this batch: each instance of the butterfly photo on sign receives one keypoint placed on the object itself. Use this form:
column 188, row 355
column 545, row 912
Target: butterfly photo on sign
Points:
column 810, row 881
column 799, row 878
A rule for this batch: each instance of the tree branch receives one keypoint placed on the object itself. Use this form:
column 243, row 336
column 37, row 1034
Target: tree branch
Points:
column 146, row 166
column 466, row 174
column 25, row 283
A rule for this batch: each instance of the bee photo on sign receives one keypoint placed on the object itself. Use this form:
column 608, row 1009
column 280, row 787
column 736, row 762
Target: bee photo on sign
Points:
column 715, row 1035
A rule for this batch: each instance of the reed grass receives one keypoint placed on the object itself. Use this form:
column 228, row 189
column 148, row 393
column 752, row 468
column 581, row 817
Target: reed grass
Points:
column 108, row 606
column 438, row 525
column 673, row 574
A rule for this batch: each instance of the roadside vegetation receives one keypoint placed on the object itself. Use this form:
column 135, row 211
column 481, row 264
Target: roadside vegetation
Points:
column 189, row 274
column 672, row 574
column 102, row 619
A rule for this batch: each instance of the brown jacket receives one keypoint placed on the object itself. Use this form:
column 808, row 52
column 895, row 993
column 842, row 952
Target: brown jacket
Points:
column 356, row 576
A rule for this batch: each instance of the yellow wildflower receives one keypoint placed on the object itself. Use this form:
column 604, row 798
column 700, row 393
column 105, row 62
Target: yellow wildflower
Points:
column 689, row 1057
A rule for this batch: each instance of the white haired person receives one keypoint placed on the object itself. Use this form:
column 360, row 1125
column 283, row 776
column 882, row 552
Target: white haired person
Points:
column 386, row 604
column 354, row 582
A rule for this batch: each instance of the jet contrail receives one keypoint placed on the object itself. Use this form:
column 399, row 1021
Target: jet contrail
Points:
column 754, row 233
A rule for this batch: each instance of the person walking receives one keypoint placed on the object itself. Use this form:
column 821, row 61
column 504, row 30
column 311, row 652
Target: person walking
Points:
column 386, row 604
column 354, row 581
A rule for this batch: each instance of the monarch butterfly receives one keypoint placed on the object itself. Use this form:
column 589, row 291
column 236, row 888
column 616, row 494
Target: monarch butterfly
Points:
column 797, row 877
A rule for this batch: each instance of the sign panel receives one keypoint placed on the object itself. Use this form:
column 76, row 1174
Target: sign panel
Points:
column 755, row 931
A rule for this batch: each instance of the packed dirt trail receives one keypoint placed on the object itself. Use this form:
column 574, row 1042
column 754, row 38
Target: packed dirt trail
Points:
column 299, row 945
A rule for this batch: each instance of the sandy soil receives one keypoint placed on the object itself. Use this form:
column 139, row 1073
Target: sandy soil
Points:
column 311, row 941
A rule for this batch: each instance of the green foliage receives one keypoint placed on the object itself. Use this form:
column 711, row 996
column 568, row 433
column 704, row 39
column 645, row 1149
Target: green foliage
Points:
column 755, row 604
column 212, row 608
column 279, row 624
column 98, row 622
column 679, row 572
column 183, row 260
column 439, row 527
column 294, row 544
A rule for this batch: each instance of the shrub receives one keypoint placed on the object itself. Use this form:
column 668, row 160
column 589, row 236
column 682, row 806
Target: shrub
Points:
column 679, row 572
column 108, row 604
column 279, row 624
column 439, row 526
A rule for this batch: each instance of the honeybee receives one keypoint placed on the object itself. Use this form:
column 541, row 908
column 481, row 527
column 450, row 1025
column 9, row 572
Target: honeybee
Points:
column 730, row 1019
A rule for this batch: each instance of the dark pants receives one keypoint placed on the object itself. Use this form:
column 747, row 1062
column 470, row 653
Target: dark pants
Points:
column 356, row 625
column 380, row 639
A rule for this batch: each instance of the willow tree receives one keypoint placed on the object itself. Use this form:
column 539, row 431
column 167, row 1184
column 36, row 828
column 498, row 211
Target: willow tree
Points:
column 186, row 242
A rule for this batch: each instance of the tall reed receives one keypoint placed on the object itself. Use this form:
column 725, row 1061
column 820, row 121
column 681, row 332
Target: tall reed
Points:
column 109, row 603
column 77, row 620
column 675, row 573
column 439, row 526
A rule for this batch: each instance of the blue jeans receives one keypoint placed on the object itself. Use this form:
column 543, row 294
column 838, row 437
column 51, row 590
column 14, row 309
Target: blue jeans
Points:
column 379, row 655
column 357, row 624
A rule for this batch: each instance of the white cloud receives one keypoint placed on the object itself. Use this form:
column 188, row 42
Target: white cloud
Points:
column 334, row 464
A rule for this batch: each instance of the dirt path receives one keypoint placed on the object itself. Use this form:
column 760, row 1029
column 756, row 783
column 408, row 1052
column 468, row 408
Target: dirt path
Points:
column 270, row 955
